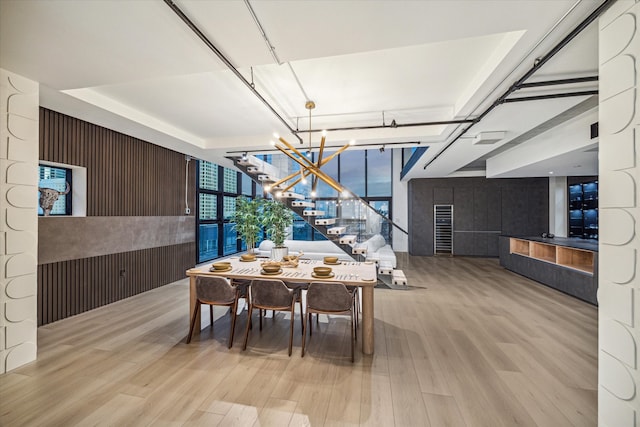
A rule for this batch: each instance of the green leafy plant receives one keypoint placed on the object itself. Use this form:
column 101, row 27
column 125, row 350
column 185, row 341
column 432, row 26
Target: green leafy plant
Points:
column 247, row 219
column 276, row 217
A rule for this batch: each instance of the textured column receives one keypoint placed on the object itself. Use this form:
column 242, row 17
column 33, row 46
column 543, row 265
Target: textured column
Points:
column 18, row 220
column 619, row 282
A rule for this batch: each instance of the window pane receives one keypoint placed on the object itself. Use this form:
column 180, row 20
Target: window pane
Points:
column 208, row 206
column 208, row 176
column 208, row 242
column 229, row 207
column 301, row 230
column 331, row 169
column 56, row 179
column 230, row 181
column 379, row 173
column 230, row 239
column 352, row 171
column 246, row 185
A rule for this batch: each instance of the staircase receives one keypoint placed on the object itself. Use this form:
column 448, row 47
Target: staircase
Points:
column 340, row 235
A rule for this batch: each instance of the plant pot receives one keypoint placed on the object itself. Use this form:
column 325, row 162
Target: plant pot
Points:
column 277, row 253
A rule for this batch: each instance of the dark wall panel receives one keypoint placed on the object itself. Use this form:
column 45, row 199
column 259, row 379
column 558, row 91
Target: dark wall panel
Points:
column 463, row 208
column 482, row 209
column 72, row 287
column 125, row 175
column 128, row 182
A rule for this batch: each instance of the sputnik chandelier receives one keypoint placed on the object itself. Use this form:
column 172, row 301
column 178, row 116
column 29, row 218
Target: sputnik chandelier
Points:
column 307, row 167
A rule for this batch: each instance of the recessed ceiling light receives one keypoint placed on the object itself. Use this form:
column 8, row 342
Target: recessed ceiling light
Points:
column 550, row 172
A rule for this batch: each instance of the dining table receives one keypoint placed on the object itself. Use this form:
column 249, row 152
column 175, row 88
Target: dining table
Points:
column 351, row 273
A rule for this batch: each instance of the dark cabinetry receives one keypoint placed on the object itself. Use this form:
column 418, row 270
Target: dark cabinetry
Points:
column 583, row 210
column 568, row 265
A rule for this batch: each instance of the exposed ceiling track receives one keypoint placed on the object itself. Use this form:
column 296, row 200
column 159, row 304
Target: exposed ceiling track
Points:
column 559, row 82
column 272, row 48
column 228, row 63
column 550, row 96
column 393, row 124
column 538, row 64
column 327, row 147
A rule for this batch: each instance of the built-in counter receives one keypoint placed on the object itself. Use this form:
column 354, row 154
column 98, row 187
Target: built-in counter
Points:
column 569, row 265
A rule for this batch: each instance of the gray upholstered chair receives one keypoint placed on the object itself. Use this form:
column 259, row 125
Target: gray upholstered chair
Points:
column 271, row 295
column 216, row 291
column 331, row 298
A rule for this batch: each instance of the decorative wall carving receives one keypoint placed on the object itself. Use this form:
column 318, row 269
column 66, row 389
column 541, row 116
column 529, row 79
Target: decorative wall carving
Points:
column 619, row 287
column 18, row 220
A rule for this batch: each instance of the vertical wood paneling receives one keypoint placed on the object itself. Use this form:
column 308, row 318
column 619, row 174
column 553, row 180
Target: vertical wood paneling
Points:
column 71, row 287
column 125, row 177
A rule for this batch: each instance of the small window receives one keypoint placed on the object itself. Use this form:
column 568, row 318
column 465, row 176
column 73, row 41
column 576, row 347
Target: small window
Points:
column 59, row 180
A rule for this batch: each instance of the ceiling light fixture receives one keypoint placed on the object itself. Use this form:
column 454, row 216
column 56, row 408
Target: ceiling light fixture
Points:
column 307, row 166
column 244, row 156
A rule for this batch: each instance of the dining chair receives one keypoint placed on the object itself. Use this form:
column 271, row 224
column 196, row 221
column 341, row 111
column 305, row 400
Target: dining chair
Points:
column 265, row 294
column 331, row 298
column 216, row 291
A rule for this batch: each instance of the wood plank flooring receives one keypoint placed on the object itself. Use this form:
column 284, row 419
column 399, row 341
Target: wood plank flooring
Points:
column 469, row 344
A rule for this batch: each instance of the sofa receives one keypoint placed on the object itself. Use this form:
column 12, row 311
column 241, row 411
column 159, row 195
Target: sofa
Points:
column 378, row 251
column 317, row 249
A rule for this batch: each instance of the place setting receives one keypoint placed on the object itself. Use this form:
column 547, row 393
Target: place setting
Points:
column 248, row 258
column 271, row 268
column 332, row 260
column 220, row 267
column 322, row 273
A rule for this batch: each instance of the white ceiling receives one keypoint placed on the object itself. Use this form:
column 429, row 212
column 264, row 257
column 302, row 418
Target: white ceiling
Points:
column 137, row 68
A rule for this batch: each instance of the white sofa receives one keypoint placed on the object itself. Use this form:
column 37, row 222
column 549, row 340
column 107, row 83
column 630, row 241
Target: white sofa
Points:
column 379, row 251
column 317, row 249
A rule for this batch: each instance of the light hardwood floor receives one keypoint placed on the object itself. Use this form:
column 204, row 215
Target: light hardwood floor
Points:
column 469, row 344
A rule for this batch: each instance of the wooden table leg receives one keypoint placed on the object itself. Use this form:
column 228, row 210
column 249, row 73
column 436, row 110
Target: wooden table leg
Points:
column 192, row 305
column 367, row 320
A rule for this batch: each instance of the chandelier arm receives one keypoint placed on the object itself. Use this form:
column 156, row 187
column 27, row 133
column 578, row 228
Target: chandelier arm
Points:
column 331, row 157
column 295, row 150
column 283, row 180
column 297, row 181
column 319, row 161
column 313, row 169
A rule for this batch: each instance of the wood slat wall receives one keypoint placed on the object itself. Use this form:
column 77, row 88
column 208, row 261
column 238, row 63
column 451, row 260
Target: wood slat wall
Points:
column 72, row 287
column 125, row 175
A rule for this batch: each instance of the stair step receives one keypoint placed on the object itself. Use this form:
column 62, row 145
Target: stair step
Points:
column 398, row 277
column 310, row 212
column 291, row 195
column 337, row 230
column 247, row 162
column 359, row 250
column 325, row 221
column 303, row 204
column 348, row 240
column 266, row 178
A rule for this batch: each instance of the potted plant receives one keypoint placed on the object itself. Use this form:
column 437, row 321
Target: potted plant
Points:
column 276, row 217
column 247, row 220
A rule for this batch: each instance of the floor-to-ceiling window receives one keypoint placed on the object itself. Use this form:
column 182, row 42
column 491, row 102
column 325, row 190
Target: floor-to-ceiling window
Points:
column 217, row 188
column 366, row 173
